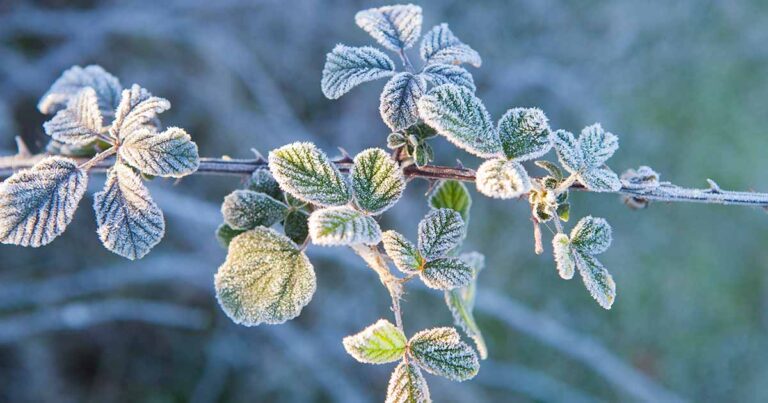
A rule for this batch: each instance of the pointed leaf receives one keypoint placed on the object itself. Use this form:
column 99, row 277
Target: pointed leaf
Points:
column 440, row 231
column 568, row 150
column 261, row 181
column 597, row 279
column 441, row 352
column 137, row 110
column 453, row 195
column 591, row 235
column 265, row 279
column 343, row 226
column 407, row 385
column 439, row 74
column 561, row 248
column 502, row 179
column 225, row 234
column 347, row 67
column 402, row 252
column 377, row 180
column 394, row 27
column 129, row 222
column 38, row 203
column 171, row 153
column 461, row 302
column 296, row 226
column 79, row 123
column 446, row 274
column 458, row 115
column 72, row 81
column 524, row 134
column 440, row 45
column 246, row 209
column 397, row 103
column 423, row 155
column 600, row 180
column 379, row 343
column 552, row 168
column 597, row 145
column 306, row 173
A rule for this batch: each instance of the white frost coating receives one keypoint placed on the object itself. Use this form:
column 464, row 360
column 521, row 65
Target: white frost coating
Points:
column 568, row 150
column 440, row 231
column 402, row 252
column 171, row 153
column 265, row 279
column 597, row 279
column 377, row 180
column 440, row 74
column 461, row 302
column 347, row 67
column 407, row 385
column 591, row 235
column 80, row 122
column 138, row 110
column 524, row 134
column 394, row 27
column 342, row 225
column 106, row 86
column 37, row 204
column 440, row 45
column 246, row 209
column 601, row 179
column 502, row 179
column 446, row 274
column 597, row 145
column 441, row 352
column 379, row 343
column 585, row 157
column 129, row 222
column 561, row 249
column 306, row 173
column 397, row 103
column 456, row 113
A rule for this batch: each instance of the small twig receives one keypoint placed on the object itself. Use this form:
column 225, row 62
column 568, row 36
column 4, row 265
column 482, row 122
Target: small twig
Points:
column 98, row 158
column 394, row 285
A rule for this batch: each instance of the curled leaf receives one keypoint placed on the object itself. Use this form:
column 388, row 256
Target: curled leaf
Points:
column 305, row 172
column 440, row 231
column 171, row 153
column 246, row 209
column 377, row 180
column 397, row 103
column 502, row 179
column 441, row 352
column 394, row 27
column 440, row 45
column 407, row 385
column 379, row 343
column 343, row 226
column 347, row 67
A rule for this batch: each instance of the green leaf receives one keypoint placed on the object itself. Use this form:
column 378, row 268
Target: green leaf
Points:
column 440, row 231
column 38, row 203
column 394, row 27
column 402, row 252
column 597, row 279
column 379, row 343
column 568, row 150
column 80, row 123
column 261, row 181
column 461, row 302
column 564, row 211
column 246, row 209
column 453, row 195
column 407, row 385
column 591, row 235
column 600, row 180
column 129, row 222
column 377, row 180
column 552, row 168
column 265, row 279
column 456, row 113
column 524, row 134
column 502, row 179
column 171, row 153
column 597, row 145
column 446, row 273
column 441, row 352
column 397, row 103
column 440, row 45
column 225, row 234
column 561, row 249
column 423, row 154
column 296, row 226
column 343, row 226
column 305, row 172
column 347, row 67
column 439, row 74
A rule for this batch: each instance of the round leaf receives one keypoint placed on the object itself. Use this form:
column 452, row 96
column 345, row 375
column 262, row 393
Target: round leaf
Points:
column 502, row 179
column 377, row 180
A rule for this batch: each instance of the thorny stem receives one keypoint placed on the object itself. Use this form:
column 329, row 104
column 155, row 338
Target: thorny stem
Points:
column 394, row 285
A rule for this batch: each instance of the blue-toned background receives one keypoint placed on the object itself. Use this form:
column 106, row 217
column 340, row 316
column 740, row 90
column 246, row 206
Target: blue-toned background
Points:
column 684, row 84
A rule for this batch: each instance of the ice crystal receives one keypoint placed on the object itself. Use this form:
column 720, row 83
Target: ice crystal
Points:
column 440, row 45
column 441, row 352
column 402, row 252
column 347, row 67
column 343, row 226
column 561, row 249
column 440, row 231
column 398, row 100
column 305, row 172
column 246, row 209
column 80, row 122
column 394, row 27
column 407, row 385
column 171, row 153
column 524, row 134
column 72, row 81
column 439, row 74
column 453, row 195
column 502, row 179
column 379, row 343
column 446, row 273
column 377, row 180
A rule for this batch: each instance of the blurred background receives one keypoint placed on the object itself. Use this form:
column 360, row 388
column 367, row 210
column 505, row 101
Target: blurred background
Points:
column 682, row 83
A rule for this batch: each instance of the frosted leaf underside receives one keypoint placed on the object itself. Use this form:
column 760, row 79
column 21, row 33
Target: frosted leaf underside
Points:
column 561, row 249
column 441, row 352
column 79, row 123
column 379, row 343
column 394, row 27
column 73, row 80
column 343, row 226
column 407, row 385
column 440, row 45
column 440, row 231
column 397, row 103
column 502, row 179
column 305, row 172
column 171, row 153
column 377, row 180
column 347, row 67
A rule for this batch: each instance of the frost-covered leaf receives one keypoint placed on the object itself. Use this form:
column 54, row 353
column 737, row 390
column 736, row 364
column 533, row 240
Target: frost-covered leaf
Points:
column 171, row 153
column 296, row 226
column 456, row 113
column 72, row 81
column 440, row 231
column 524, row 134
column 379, row 343
column 502, row 179
column 265, row 279
column 591, row 235
column 343, row 226
column 225, row 234
column 261, row 181
column 440, row 45
column 446, row 273
column 568, row 150
column 440, row 351
column 305, row 172
column 600, row 180
column 586, row 156
column 246, row 209
column 423, row 154
column 439, row 74
column 453, row 195
column 129, row 222
column 597, row 145
column 561, row 249
column 402, row 252
column 552, row 168
column 377, row 180
column 563, row 211
column 394, row 27
column 347, row 67
column 461, row 302
column 407, row 385
column 397, row 103
column 137, row 110
column 79, row 123
column 597, row 279
column 38, row 203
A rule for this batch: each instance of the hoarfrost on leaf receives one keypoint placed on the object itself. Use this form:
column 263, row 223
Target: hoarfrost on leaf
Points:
column 586, row 155
column 524, row 134
column 129, row 222
column 379, row 343
column 171, row 153
column 440, row 231
column 502, row 179
column 73, row 80
column 265, row 279
column 461, row 302
column 441, row 352
column 440, row 74
column 440, row 45
column 451, row 194
column 347, row 67
column 600, row 180
column 597, row 145
column 262, row 181
column 296, row 226
column 225, row 234
column 561, row 249
column 597, row 279
column 343, row 226
column 402, row 252
column 407, row 385
column 38, row 203
column 446, row 273
column 78, row 124
column 138, row 110
column 246, row 209
column 377, row 180
column 305, row 172
column 394, row 27
column 397, row 103
column 591, row 235
column 568, row 150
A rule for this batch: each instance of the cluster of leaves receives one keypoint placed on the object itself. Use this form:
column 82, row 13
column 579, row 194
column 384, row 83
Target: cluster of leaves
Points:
column 93, row 113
